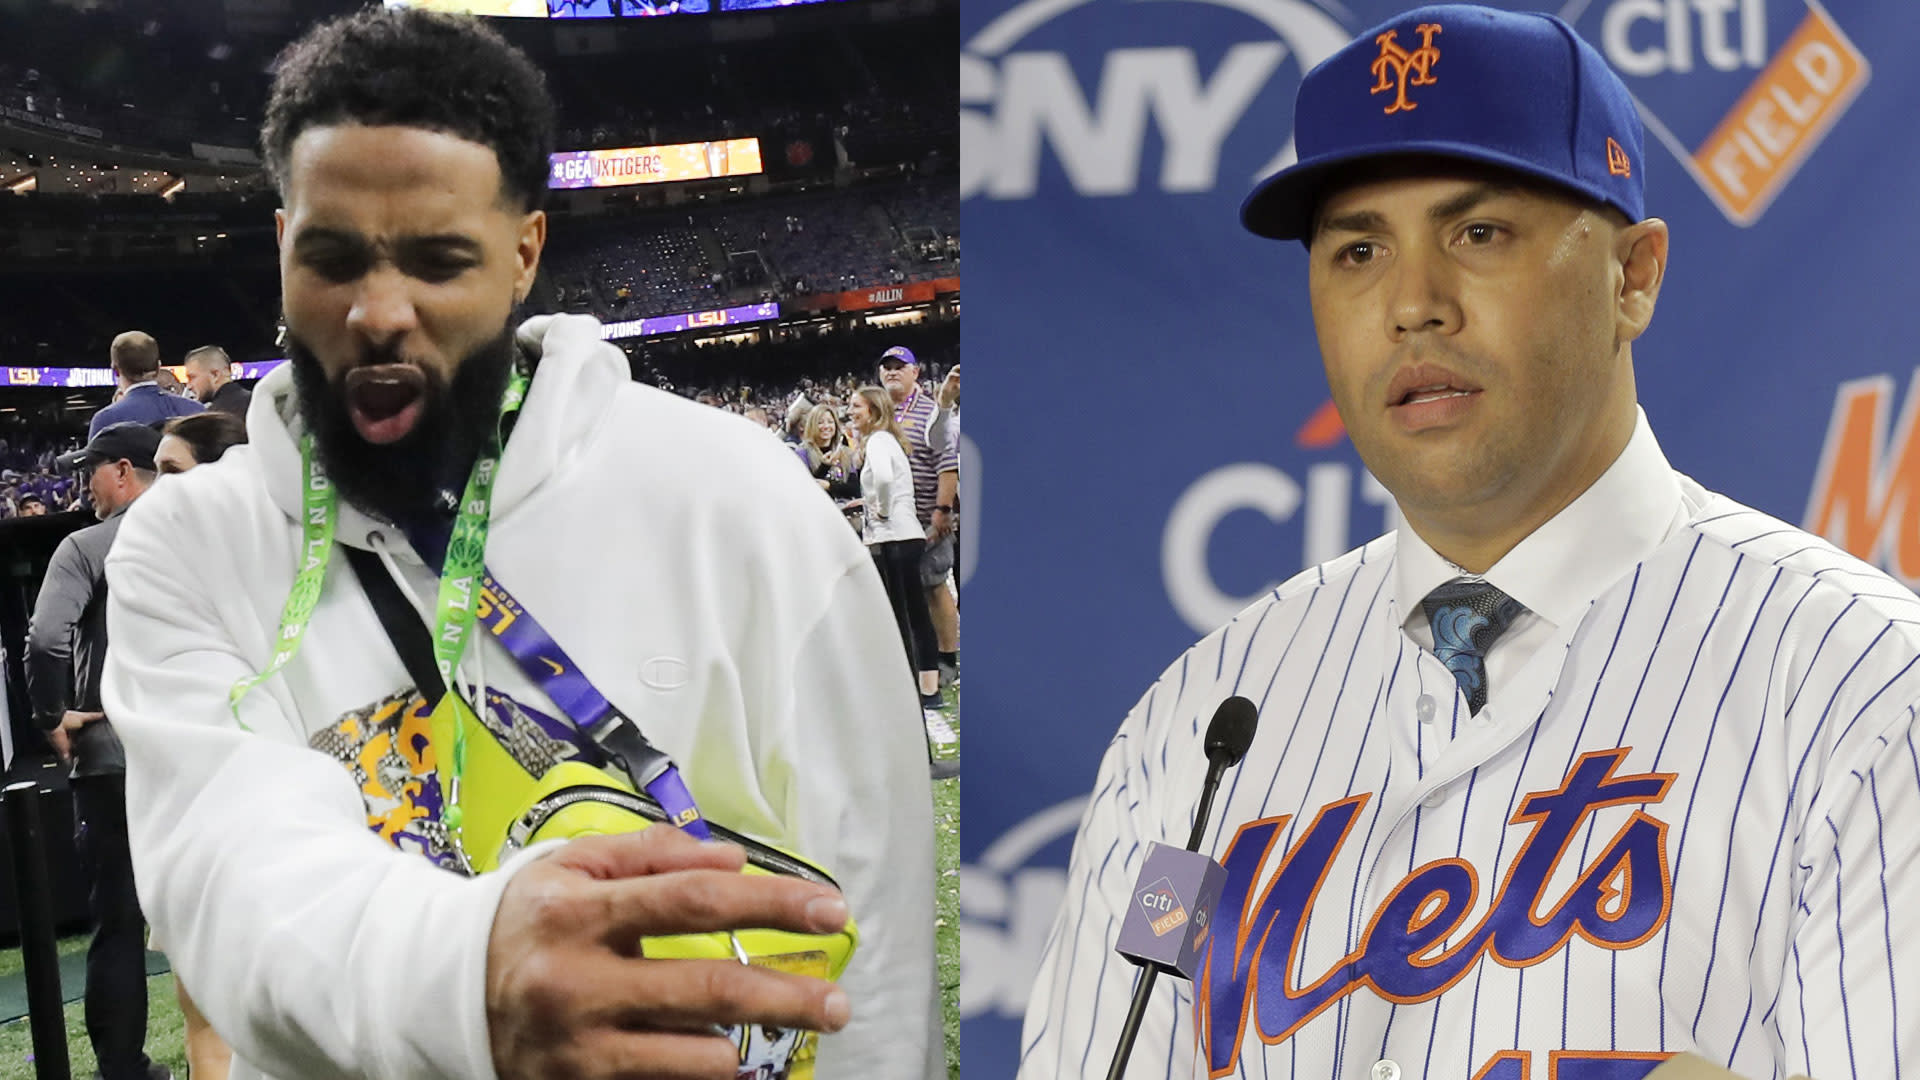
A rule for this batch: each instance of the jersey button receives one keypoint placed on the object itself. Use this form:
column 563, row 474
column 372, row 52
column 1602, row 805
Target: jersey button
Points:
column 1430, row 802
column 1386, row 1069
column 1484, row 717
column 1423, row 708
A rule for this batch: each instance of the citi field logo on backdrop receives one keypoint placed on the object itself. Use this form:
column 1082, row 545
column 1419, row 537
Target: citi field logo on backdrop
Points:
column 1019, row 103
column 1740, row 117
column 1330, row 521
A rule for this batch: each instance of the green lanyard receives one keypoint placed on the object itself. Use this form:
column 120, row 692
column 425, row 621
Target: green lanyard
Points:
column 321, row 508
column 460, row 574
column 459, row 577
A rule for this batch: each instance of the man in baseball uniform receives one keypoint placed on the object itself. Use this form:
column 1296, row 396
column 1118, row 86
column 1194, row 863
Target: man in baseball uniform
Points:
column 1582, row 767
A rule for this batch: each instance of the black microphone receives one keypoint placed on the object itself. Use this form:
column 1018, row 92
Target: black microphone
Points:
column 1229, row 734
column 1168, row 872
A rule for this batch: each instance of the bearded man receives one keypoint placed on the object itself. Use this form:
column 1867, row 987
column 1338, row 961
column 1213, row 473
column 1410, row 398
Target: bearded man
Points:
column 296, row 815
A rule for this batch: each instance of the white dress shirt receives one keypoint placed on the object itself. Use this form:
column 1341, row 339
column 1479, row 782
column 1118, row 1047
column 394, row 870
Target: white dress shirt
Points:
column 1558, row 570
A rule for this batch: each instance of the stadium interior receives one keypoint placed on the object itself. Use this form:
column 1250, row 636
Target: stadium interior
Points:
column 132, row 197
column 137, row 200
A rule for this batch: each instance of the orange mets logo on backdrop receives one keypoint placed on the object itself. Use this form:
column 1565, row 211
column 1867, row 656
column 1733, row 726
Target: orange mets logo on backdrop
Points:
column 1394, row 64
column 1865, row 496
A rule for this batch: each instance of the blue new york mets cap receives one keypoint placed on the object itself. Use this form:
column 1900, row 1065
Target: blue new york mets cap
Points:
column 1515, row 90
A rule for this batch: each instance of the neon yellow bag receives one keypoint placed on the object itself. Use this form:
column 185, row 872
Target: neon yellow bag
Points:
column 505, row 808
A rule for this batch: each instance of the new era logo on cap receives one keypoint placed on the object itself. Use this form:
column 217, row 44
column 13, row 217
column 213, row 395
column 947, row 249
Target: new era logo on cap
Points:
column 1618, row 163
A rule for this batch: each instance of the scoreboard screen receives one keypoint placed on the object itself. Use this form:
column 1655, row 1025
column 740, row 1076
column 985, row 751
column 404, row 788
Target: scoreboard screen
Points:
column 755, row 5
column 562, row 9
column 654, row 164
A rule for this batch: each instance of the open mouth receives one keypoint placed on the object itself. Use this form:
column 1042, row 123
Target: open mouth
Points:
column 1422, row 383
column 386, row 401
column 1426, row 395
column 1431, row 393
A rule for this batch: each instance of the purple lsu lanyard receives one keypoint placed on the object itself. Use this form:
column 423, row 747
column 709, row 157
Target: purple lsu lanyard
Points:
column 548, row 665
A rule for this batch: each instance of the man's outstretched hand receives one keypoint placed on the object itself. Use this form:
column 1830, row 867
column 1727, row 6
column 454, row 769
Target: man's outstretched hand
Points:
column 569, row 993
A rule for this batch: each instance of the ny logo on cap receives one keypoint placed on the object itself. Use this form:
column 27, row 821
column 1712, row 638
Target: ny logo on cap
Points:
column 1419, row 63
column 1618, row 164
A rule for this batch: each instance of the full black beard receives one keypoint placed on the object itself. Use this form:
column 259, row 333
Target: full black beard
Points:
column 402, row 481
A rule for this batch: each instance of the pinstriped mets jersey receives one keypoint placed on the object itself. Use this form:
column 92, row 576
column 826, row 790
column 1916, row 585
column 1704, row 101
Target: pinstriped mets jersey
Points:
column 1679, row 825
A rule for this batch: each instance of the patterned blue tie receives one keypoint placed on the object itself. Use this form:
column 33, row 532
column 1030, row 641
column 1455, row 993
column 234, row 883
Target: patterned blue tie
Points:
column 1467, row 616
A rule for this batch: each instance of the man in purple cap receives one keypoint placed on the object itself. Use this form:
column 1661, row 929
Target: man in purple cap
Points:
column 933, row 451
column 1583, row 767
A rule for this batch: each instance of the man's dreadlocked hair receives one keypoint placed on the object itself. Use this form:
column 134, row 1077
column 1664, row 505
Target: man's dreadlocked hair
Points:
column 412, row 68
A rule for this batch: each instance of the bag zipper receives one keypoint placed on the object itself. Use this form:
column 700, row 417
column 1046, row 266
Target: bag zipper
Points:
column 758, row 854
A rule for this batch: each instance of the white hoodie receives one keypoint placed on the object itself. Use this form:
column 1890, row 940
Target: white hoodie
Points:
column 693, row 571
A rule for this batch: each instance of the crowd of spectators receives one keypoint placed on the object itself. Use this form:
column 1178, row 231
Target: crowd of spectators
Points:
column 774, row 370
column 694, row 259
column 29, row 481
column 615, row 266
column 776, row 382
column 814, row 97
column 29, row 475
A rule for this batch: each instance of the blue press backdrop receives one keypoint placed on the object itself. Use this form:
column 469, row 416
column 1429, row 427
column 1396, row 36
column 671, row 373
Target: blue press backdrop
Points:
column 1148, row 450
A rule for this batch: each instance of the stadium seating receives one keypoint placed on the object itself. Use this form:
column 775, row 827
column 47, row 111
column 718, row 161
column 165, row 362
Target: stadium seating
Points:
column 780, row 246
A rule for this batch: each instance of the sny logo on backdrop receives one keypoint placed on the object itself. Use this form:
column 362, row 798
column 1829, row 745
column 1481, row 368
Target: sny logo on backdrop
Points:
column 1015, row 103
column 1008, row 897
column 1743, row 120
column 1416, row 947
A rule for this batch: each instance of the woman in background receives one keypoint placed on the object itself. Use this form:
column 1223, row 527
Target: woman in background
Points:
column 893, row 532
column 198, row 439
column 185, row 442
column 827, row 455
column 832, row 459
